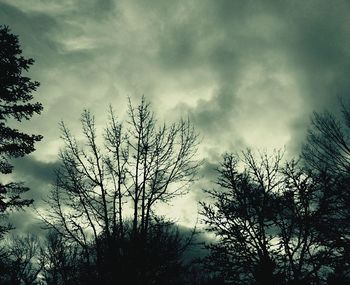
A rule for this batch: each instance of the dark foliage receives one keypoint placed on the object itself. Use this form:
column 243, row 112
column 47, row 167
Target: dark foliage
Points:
column 15, row 105
column 155, row 260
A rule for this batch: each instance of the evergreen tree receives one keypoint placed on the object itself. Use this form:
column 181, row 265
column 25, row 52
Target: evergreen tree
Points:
column 15, row 105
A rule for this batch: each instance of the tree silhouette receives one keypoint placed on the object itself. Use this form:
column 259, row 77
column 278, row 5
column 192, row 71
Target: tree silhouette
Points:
column 60, row 260
column 328, row 146
column 268, row 219
column 242, row 215
column 139, row 165
column 15, row 104
column 327, row 154
column 21, row 264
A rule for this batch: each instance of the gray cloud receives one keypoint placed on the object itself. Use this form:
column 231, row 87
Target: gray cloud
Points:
column 39, row 176
column 35, row 169
column 247, row 73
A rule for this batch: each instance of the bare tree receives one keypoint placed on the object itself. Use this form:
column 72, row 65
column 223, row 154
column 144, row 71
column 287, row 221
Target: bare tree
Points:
column 304, row 204
column 160, row 157
column 266, row 216
column 60, row 260
column 328, row 146
column 138, row 165
column 327, row 153
column 241, row 216
column 21, row 262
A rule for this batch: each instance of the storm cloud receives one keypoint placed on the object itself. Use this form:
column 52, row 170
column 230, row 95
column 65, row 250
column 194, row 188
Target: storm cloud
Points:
column 247, row 73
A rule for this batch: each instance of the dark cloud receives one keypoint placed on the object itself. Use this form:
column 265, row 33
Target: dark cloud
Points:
column 247, row 73
column 296, row 52
column 39, row 176
column 30, row 167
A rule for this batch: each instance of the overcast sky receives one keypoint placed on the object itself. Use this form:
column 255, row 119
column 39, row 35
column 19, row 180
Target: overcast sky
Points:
column 247, row 73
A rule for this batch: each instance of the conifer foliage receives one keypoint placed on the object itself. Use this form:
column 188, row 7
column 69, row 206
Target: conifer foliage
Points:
column 15, row 105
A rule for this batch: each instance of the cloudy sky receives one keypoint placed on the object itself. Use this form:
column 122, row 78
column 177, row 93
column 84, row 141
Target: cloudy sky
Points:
column 247, row 73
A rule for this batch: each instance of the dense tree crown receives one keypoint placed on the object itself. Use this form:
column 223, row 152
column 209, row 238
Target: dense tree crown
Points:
column 15, row 104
